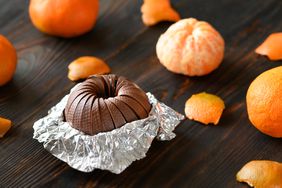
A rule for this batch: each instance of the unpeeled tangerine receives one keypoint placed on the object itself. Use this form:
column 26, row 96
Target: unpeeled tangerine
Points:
column 190, row 47
column 264, row 102
column 261, row 174
column 155, row 11
column 64, row 18
column 205, row 108
column 8, row 60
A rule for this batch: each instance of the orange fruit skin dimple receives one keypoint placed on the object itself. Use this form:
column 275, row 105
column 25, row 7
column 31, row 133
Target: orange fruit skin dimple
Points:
column 271, row 47
column 155, row 11
column 190, row 47
column 64, row 18
column 205, row 108
column 8, row 60
column 264, row 102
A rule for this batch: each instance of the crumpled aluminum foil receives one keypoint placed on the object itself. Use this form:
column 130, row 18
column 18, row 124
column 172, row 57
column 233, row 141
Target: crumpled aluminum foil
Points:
column 114, row 150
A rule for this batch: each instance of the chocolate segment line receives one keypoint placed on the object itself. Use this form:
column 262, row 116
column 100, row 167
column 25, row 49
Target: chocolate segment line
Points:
column 105, row 102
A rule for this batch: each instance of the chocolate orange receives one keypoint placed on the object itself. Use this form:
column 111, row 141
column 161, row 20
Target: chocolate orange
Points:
column 105, row 102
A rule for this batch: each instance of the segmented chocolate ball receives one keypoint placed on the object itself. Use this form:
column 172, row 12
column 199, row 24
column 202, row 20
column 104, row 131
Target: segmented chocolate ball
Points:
column 105, row 102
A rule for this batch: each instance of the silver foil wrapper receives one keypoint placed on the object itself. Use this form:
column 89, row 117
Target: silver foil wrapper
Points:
column 114, row 150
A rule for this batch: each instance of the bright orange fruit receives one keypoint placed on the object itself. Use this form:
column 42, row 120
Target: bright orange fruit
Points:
column 264, row 102
column 271, row 47
column 205, row 108
column 190, row 47
column 155, row 11
column 8, row 60
column 64, row 18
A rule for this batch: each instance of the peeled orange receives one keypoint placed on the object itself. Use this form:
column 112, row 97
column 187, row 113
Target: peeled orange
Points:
column 190, row 47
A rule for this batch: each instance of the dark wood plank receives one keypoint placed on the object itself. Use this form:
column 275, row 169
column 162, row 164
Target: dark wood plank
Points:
column 200, row 156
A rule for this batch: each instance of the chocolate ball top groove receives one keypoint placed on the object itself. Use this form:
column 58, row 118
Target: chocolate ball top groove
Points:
column 104, row 102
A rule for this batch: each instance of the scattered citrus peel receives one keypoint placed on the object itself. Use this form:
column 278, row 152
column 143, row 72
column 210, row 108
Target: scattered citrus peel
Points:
column 155, row 11
column 271, row 47
column 83, row 67
column 261, row 174
column 205, row 108
column 5, row 125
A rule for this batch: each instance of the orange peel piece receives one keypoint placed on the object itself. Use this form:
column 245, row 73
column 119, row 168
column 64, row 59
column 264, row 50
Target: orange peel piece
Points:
column 271, row 47
column 205, row 108
column 86, row 66
column 5, row 125
column 261, row 174
column 155, row 11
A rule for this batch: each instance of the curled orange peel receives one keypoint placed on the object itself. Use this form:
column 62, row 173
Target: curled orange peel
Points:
column 155, row 11
column 86, row 66
column 271, row 47
column 5, row 125
column 205, row 108
column 261, row 174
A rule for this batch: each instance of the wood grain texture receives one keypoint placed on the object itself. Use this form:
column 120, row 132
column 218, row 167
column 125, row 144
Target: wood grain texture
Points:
column 200, row 156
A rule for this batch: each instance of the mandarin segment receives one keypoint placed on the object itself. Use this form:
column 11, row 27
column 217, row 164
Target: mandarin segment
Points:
column 264, row 102
column 205, row 108
column 261, row 174
column 64, row 18
column 83, row 67
column 5, row 125
column 271, row 47
column 8, row 60
column 190, row 47
column 155, row 11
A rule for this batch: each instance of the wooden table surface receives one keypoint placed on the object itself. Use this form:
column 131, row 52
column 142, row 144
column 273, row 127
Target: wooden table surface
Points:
column 200, row 156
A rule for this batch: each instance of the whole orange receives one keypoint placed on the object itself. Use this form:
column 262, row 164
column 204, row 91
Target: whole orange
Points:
column 264, row 102
column 64, row 18
column 8, row 60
